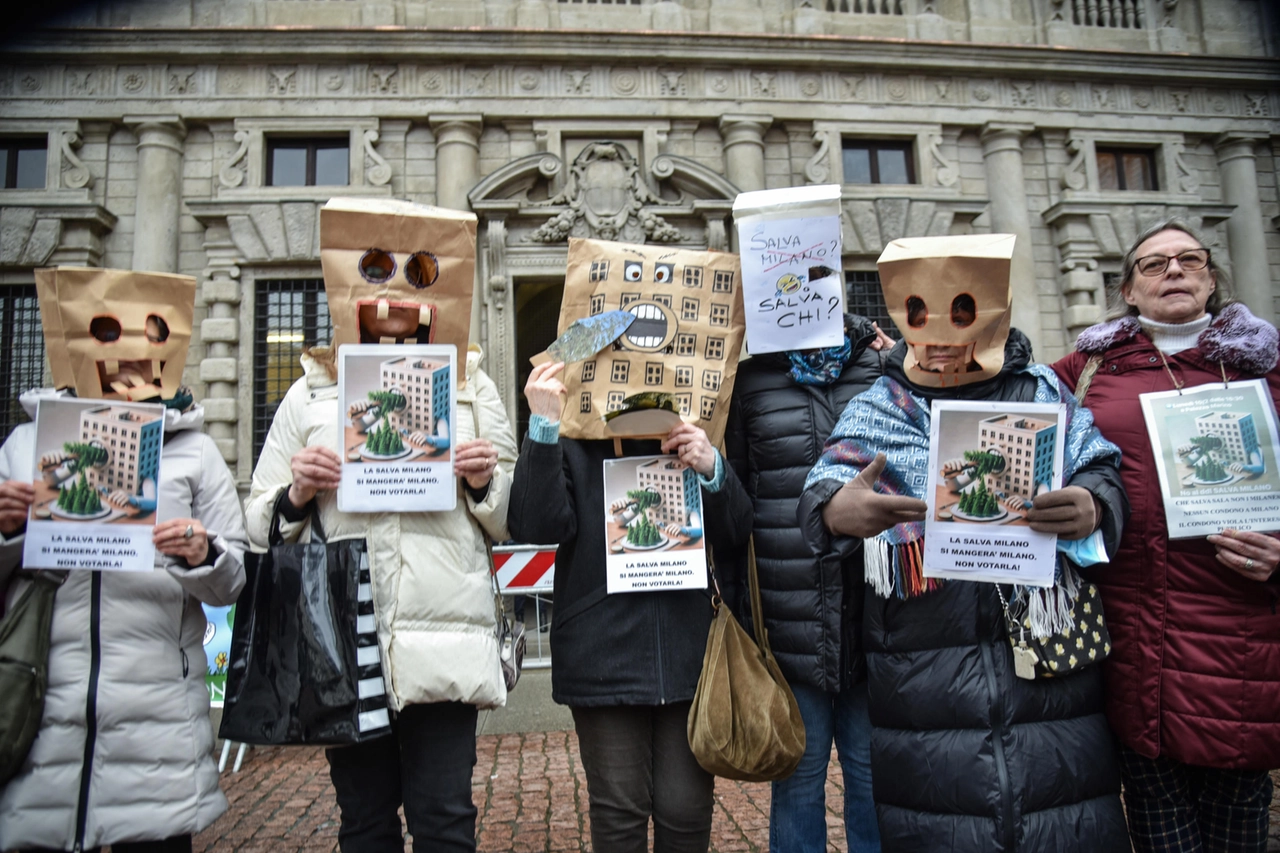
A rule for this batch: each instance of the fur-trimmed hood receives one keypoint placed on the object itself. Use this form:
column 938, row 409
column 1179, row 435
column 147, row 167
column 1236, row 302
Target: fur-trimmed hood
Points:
column 1235, row 337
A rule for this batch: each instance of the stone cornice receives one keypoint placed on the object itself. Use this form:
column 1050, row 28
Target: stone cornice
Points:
column 847, row 53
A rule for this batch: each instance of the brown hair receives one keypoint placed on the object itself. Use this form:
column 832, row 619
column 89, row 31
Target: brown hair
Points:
column 1218, row 299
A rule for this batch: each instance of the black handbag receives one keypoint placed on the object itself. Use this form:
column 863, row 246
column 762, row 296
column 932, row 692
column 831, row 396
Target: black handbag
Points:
column 24, row 669
column 304, row 665
column 1084, row 642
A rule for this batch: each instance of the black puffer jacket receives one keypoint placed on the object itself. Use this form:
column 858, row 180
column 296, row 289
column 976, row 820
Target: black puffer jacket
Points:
column 965, row 756
column 634, row 648
column 776, row 431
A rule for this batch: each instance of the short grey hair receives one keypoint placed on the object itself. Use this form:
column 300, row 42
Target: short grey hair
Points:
column 1117, row 307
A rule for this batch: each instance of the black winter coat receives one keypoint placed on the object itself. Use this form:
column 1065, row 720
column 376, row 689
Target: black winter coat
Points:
column 777, row 428
column 634, row 648
column 965, row 756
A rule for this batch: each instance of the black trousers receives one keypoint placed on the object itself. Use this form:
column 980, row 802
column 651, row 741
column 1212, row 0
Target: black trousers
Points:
column 424, row 764
column 639, row 765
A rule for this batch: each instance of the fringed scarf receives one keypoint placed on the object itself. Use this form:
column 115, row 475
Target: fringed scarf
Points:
column 889, row 419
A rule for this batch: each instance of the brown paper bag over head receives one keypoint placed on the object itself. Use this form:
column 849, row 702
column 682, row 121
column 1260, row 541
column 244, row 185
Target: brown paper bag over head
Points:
column 116, row 334
column 676, row 360
column 397, row 272
column 951, row 300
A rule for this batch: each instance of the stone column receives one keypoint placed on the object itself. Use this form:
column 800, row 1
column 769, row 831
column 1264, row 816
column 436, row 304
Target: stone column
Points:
column 1002, row 152
column 1250, row 272
column 220, row 333
column 744, row 149
column 457, row 171
column 159, row 191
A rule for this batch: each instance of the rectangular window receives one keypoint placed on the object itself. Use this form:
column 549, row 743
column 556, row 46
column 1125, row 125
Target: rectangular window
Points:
column 289, row 315
column 22, row 163
column 21, row 351
column 621, row 369
column 653, row 373
column 627, row 299
column 878, row 161
column 599, row 271
column 614, row 401
column 708, row 408
column 308, row 163
column 710, row 380
column 684, row 402
column 684, row 376
column 588, row 371
column 719, row 315
column 597, row 303
column 1126, row 169
column 693, row 276
column 584, row 402
column 723, row 282
column 686, row 343
column 661, row 299
column 715, row 348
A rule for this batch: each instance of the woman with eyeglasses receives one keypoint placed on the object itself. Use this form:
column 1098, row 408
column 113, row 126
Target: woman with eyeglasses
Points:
column 1193, row 681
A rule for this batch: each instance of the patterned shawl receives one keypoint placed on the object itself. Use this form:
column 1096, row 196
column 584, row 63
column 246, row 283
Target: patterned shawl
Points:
column 889, row 419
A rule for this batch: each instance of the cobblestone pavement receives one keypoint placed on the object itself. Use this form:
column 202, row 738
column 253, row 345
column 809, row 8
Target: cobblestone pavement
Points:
column 529, row 788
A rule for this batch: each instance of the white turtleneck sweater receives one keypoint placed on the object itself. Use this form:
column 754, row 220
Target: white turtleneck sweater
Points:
column 1172, row 338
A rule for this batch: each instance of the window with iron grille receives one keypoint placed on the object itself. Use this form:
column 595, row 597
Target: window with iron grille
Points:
column 289, row 315
column 21, row 351
column 865, row 297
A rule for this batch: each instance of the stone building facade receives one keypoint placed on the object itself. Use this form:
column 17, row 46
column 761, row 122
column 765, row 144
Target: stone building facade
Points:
column 1070, row 123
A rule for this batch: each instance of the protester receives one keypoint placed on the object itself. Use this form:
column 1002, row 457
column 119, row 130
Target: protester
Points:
column 1193, row 683
column 966, row 756
column 626, row 664
column 124, row 756
column 785, row 404
column 432, row 594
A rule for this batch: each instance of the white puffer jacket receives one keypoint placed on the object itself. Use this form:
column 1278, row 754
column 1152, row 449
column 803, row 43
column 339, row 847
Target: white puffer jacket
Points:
column 431, row 590
column 129, row 645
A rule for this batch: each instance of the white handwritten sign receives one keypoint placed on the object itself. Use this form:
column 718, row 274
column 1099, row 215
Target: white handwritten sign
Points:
column 793, row 282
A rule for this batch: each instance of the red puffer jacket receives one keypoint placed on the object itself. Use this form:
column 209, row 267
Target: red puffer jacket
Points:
column 1194, row 673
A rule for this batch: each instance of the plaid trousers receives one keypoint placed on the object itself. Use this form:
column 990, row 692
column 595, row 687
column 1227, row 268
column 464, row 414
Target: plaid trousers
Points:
column 1178, row 808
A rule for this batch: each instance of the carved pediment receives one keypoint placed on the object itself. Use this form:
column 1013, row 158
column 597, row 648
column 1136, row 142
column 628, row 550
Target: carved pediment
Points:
column 870, row 225
column 266, row 232
column 605, row 194
column 38, row 234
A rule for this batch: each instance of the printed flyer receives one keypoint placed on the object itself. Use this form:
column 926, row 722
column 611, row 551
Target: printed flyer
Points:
column 217, row 650
column 987, row 461
column 1216, row 450
column 653, row 524
column 97, row 465
column 792, row 279
column 396, row 405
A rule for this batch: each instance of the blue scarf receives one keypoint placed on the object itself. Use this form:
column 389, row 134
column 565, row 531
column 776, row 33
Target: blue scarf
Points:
column 820, row 366
column 889, row 419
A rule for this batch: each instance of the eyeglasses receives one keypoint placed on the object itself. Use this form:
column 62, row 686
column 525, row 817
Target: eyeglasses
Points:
column 1190, row 261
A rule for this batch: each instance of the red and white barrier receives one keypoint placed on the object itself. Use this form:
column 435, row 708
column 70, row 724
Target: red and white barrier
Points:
column 524, row 568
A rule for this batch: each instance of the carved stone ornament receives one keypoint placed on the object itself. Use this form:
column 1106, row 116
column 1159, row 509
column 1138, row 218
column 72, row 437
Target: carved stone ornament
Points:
column 378, row 174
column 945, row 172
column 606, row 197
column 75, row 173
column 1074, row 176
column 1188, row 178
column 232, row 173
column 818, row 168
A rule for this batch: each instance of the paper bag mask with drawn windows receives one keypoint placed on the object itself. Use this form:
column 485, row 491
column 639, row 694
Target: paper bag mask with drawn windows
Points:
column 397, row 272
column 116, row 334
column 677, row 354
column 950, row 292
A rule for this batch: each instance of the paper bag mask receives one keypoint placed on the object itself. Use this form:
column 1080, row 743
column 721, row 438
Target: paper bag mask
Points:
column 116, row 334
column 679, row 353
column 398, row 272
column 950, row 292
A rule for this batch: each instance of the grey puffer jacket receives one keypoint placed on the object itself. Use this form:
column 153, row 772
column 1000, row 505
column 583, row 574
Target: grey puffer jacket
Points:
column 125, row 748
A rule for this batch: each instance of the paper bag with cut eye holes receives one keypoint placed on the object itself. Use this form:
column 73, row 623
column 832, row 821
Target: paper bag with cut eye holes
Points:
column 684, row 342
column 116, row 334
column 398, row 272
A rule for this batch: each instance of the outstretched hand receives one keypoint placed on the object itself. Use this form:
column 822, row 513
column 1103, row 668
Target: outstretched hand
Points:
column 1070, row 513
column 859, row 510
